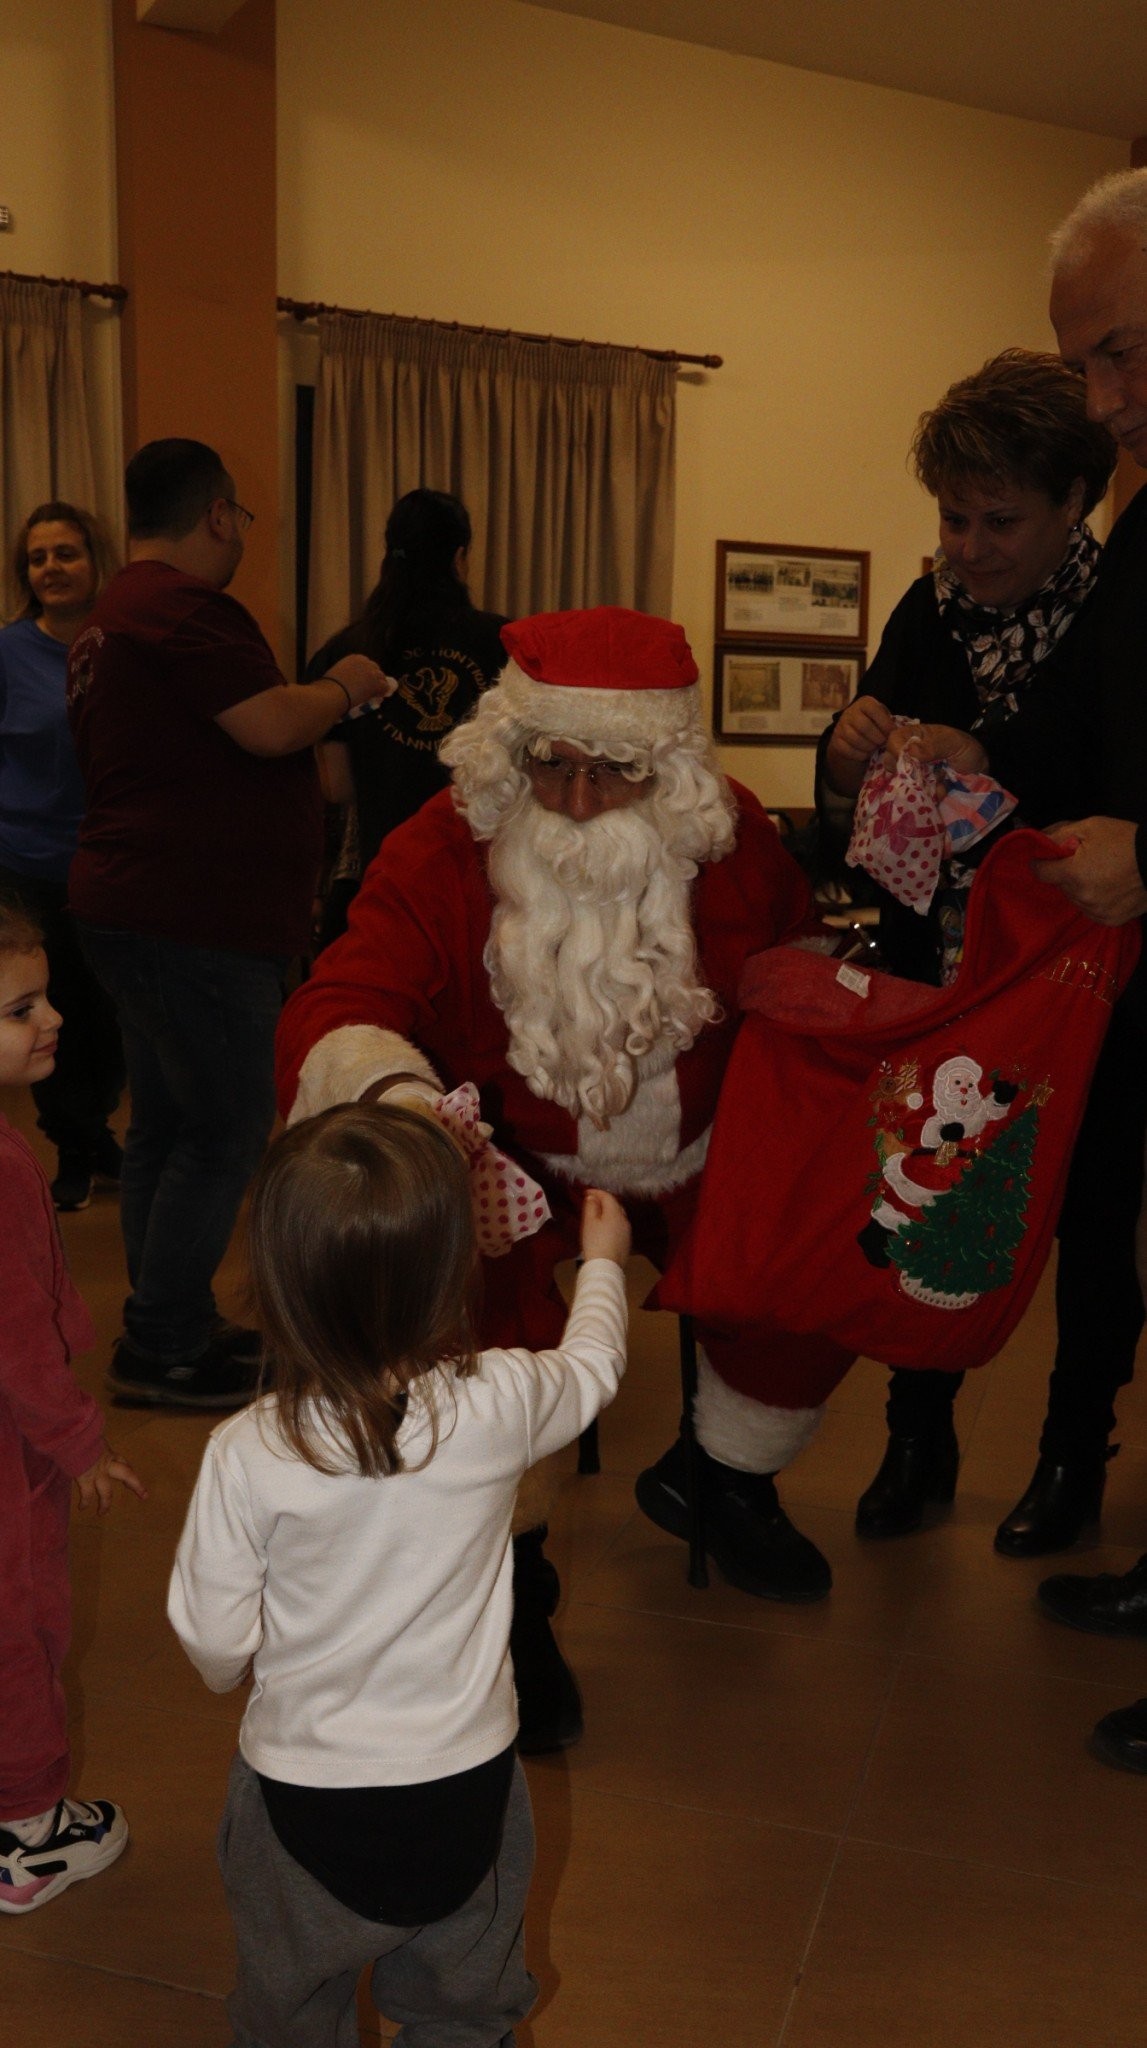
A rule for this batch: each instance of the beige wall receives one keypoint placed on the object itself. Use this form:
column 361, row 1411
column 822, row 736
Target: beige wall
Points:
column 57, row 173
column 847, row 249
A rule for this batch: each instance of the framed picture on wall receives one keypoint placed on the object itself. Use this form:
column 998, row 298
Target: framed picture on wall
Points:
column 766, row 591
column 780, row 696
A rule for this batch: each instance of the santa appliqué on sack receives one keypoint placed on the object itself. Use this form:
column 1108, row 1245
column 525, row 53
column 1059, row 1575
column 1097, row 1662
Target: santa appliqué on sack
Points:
column 952, row 1178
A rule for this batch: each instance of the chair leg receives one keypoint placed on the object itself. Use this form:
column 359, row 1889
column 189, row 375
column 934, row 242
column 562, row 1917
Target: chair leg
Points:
column 698, row 1573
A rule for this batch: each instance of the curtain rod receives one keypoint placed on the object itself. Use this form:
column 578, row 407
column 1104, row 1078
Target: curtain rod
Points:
column 89, row 291
column 307, row 309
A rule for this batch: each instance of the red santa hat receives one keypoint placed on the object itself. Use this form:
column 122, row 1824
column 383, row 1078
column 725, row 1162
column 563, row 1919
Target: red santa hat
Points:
column 598, row 676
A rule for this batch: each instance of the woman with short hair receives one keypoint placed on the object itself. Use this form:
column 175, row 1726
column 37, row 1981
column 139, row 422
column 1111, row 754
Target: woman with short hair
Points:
column 1015, row 466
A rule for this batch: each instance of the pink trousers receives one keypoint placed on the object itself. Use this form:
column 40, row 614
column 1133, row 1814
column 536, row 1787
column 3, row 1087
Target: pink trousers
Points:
column 35, row 1626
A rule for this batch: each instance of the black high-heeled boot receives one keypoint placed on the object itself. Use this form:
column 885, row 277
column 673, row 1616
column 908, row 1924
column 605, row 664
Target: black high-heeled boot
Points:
column 1059, row 1504
column 917, row 1472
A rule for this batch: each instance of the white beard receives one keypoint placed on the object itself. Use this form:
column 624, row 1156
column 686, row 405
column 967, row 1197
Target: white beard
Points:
column 591, row 954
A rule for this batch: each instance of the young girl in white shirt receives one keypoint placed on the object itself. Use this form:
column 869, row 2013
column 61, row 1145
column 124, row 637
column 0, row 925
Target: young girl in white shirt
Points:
column 349, row 1539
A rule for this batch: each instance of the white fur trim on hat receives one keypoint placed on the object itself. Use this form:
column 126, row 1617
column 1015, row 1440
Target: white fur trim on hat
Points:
column 749, row 1435
column 344, row 1064
column 560, row 713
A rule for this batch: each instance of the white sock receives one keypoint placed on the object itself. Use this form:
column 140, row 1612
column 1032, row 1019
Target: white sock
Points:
column 32, row 1831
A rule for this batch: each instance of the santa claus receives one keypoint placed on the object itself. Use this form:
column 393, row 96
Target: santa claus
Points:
column 916, row 1175
column 566, row 928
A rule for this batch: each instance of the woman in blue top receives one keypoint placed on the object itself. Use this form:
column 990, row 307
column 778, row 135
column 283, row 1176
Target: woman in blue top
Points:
column 60, row 562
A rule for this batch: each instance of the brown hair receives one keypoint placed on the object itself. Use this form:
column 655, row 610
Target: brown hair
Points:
column 19, row 932
column 98, row 542
column 1022, row 419
column 362, row 1264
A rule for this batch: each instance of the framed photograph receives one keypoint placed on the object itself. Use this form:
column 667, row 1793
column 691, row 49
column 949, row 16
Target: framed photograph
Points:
column 770, row 592
column 780, row 696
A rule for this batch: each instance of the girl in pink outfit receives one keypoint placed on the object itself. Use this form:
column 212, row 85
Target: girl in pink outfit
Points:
column 51, row 1433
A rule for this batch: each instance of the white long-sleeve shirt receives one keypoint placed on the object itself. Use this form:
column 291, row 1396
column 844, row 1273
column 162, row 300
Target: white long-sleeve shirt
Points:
column 377, row 1611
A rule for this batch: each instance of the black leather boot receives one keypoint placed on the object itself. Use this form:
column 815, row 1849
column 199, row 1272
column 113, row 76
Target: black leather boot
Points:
column 1106, row 1605
column 1121, row 1738
column 549, row 1703
column 918, row 1471
column 747, row 1532
column 1058, row 1505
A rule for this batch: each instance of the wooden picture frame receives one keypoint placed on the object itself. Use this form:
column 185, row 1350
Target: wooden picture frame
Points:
column 791, row 596
column 772, row 695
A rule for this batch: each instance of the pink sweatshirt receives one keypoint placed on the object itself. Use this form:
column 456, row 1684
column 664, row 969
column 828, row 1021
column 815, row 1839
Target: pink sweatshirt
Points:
column 44, row 1322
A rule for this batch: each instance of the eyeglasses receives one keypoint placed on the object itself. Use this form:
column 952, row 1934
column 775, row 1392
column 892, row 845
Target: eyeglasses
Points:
column 244, row 519
column 549, row 773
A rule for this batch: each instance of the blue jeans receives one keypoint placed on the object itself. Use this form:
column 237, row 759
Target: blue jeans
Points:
column 198, row 1030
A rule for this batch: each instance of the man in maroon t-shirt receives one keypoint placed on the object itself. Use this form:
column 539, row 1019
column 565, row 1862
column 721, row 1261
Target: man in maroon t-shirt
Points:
column 192, row 888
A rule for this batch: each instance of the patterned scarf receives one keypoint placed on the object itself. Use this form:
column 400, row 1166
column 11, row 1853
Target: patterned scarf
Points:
column 1005, row 645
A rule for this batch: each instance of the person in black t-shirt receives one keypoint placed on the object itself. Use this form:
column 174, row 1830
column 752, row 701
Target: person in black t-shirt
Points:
column 420, row 625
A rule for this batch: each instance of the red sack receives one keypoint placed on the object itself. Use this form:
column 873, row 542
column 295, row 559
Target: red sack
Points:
column 888, row 1159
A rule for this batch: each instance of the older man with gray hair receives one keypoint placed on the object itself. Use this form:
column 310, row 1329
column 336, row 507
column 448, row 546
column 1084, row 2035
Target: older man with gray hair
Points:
column 1090, row 737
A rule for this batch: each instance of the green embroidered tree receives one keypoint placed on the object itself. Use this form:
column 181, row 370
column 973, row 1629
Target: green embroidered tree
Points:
column 965, row 1243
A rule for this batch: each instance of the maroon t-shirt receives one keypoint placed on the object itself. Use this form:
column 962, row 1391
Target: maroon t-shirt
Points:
column 186, row 835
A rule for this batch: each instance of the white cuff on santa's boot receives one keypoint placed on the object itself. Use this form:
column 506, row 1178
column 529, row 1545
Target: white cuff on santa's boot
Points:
column 749, row 1435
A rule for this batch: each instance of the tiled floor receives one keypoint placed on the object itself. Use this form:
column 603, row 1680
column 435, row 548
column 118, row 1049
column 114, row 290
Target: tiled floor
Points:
column 867, row 1824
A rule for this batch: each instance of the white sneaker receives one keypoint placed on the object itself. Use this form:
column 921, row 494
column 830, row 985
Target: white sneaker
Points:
column 85, row 1836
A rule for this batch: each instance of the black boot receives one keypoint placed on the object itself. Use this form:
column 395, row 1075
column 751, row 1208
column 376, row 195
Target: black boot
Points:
column 1058, row 1505
column 747, row 1532
column 549, row 1703
column 1106, row 1605
column 1121, row 1738
column 917, row 1471
column 72, row 1187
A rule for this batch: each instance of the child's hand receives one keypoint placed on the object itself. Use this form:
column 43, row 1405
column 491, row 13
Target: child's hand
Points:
column 605, row 1232
column 96, row 1486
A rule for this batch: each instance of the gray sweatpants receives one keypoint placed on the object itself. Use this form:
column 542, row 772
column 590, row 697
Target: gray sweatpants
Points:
column 455, row 1983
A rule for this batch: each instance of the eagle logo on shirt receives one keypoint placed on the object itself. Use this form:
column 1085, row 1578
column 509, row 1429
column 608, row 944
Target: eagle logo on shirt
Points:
column 428, row 691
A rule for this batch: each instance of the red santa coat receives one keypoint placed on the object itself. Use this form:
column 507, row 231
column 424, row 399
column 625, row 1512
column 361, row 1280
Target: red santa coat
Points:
column 411, row 963
column 411, row 966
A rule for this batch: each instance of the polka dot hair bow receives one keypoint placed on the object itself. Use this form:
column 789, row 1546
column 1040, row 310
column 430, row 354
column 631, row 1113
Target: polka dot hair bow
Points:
column 911, row 818
column 508, row 1205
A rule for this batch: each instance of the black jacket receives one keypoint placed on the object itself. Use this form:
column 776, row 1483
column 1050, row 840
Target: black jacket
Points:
column 921, row 671
column 394, row 750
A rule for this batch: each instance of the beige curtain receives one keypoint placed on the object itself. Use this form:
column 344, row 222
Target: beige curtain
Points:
column 45, row 435
column 564, row 457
